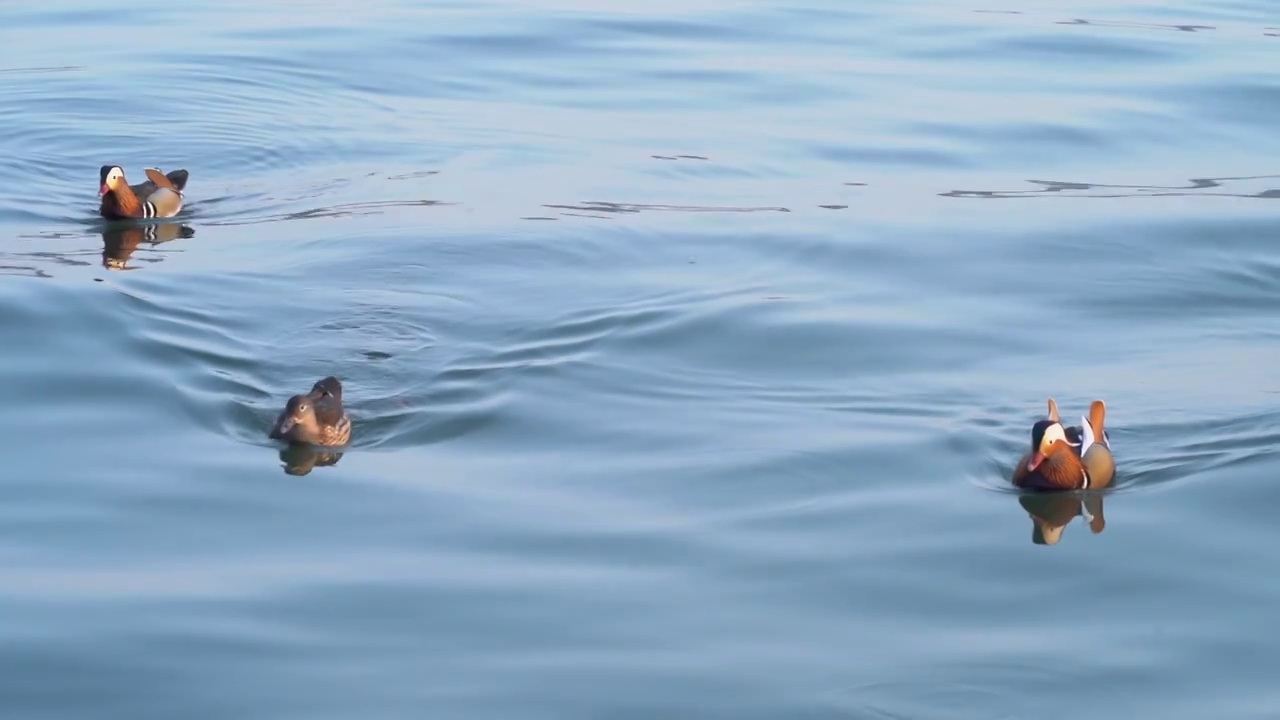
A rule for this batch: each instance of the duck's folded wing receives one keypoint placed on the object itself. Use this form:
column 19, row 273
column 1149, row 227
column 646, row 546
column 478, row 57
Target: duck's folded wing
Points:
column 164, row 202
column 328, row 412
column 178, row 178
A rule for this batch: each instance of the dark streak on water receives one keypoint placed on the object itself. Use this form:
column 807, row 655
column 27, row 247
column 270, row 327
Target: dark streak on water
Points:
column 701, row 447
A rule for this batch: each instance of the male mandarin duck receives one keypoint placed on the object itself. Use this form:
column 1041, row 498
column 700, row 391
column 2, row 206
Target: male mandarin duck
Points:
column 159, row 197
column 1067, row 458
column 316, row 418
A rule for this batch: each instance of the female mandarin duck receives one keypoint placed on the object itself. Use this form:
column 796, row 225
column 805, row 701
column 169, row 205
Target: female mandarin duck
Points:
column 1067, row 458
column 159, row 197
column 316, row 418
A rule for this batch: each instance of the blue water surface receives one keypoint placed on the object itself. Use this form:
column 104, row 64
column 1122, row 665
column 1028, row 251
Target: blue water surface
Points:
column 689, row 347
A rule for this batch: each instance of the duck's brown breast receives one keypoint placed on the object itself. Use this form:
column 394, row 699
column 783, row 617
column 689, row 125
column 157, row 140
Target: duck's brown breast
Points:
column 1060, row 472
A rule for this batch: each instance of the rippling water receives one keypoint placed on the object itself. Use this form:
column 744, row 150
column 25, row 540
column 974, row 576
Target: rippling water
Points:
column 689, row 346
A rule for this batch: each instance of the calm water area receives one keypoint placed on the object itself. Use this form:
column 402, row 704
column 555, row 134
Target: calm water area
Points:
column 689, row 347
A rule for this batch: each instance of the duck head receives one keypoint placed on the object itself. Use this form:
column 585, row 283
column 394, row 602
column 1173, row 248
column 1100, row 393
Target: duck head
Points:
column 110, row 177
column 327, row 386
column 298, row 421
column 1047, row 438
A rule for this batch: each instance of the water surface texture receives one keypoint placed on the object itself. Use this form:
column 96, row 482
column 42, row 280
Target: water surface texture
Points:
column 689, row 348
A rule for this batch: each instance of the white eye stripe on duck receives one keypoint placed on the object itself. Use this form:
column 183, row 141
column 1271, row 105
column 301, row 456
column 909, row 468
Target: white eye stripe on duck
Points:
column 1052, row 434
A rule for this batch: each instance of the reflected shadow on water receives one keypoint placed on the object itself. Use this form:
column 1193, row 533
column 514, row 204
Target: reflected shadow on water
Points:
column 1057, row 188
column 1051, row 513
column 1134, row 25
column 302, row 459
column 334, row 211
column 617, row 208
column 119, row 243
column 1143, row 26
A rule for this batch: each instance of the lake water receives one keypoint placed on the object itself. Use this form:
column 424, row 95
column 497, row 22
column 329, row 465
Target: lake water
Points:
column 689, row 347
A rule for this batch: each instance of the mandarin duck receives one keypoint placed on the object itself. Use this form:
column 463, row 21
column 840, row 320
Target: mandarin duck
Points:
column 1067, row 458
column 316, row 418
column 159, row 197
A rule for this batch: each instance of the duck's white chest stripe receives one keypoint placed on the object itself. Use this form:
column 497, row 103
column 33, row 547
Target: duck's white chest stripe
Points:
column 148, row 210
column 1085, row 474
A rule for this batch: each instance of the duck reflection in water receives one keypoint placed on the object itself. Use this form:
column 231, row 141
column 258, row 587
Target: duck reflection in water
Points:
column 302, row 459
column 120, row 240
column 1052, row 512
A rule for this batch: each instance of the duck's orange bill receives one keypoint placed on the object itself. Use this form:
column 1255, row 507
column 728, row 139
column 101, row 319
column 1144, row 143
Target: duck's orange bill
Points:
column 104, row 191
column 1035, row 461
